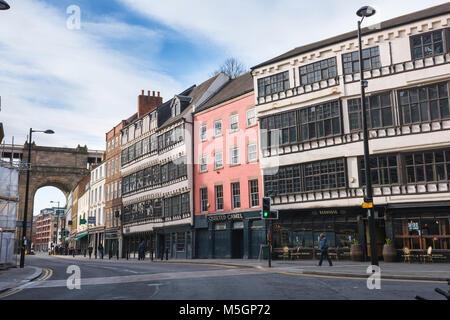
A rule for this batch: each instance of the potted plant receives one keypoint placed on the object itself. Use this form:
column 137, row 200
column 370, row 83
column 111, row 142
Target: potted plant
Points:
column 389, row 252
column 356, row 252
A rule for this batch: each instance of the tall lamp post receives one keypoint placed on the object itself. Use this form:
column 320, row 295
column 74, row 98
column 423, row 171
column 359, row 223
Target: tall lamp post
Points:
column 24, row 226
column 366, row 11
column 4, row 5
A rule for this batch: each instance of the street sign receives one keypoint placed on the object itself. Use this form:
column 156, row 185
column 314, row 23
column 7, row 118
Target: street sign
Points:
column 60, row 212
column 91, row 219
column 367, row 205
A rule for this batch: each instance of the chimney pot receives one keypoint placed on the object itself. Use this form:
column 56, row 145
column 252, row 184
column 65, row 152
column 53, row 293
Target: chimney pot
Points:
column 158, row 93
column 148, row 92
column 153, row 93
column 142, row 92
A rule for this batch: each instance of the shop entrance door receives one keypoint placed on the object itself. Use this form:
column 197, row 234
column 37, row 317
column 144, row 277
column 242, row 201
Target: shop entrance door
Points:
column 380, row 236
column 237, row 244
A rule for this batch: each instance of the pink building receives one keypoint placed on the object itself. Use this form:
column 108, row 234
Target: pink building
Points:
column 227, row 175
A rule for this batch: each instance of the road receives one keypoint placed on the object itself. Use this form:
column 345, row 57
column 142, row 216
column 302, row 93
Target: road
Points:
column 137, row 280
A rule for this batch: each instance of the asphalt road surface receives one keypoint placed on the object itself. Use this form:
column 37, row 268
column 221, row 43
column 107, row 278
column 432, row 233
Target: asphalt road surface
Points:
column 137, row 280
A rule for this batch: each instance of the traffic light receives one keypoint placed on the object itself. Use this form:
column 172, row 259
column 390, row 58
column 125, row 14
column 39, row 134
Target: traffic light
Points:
column 265, row 207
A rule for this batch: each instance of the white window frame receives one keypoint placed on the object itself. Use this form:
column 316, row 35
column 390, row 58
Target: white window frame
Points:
column 254, row 152
column 203, row 136
column 215, row 129
column 203, row 162
column 254, row 117
column 233, row 156
column 234, row 116
column 216, row 159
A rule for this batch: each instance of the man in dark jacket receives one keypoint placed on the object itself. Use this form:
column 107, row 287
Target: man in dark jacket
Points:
column 324, row 250
column 142, row 248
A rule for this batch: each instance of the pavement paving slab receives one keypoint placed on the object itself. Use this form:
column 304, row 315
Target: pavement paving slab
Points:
column 14, row 277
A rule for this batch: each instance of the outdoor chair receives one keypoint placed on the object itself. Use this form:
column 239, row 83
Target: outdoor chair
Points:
column 428, row 257
column 407, row 254
column 296, row 254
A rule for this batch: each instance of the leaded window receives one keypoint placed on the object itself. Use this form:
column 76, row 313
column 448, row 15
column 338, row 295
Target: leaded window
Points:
column 370, row 57
column 273, row 84
column 379, row 112
column 429, row 166
column 318, row 71
column 185, row 203
column 383, row 170
column 423, row 104
column 320, row 121
column 325, row 175
column 427, row 44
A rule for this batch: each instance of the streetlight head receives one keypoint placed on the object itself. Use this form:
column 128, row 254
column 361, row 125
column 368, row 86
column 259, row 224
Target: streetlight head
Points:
column 48, row 131
column 366, row 11
column 4, row 5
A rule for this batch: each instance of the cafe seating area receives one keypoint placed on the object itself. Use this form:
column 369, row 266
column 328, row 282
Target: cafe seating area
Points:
column 429, row 255
column 300, row 253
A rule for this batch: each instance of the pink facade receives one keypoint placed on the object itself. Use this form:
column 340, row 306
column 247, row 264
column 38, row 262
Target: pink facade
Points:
column 243, row 172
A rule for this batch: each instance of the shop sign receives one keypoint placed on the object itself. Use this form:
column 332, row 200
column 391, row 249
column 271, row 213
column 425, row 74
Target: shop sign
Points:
column 225, row 217
column 413, row 226
column 326, row 212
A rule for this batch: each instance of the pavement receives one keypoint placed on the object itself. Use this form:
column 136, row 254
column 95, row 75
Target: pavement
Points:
column 396, row 270
column 13, row 277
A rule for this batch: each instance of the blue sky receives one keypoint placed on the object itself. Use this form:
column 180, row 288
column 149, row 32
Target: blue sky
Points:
column 81, row 83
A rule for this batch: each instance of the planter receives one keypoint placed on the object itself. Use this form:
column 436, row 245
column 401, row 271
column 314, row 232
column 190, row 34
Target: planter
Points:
column 389, row 253
column 356, row 252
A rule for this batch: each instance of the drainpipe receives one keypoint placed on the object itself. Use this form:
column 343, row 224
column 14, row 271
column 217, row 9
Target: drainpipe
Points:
column 193, row 184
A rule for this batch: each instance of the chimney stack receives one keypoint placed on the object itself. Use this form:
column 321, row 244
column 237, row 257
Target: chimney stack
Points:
column 146, row 103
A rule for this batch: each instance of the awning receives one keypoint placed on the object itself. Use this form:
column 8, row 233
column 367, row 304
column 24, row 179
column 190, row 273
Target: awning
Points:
column 79, row 237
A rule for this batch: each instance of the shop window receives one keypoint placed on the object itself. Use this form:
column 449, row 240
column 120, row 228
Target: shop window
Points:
column 220, row 226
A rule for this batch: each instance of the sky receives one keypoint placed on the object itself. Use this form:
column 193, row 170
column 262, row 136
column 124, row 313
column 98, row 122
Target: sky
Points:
column 80, row 82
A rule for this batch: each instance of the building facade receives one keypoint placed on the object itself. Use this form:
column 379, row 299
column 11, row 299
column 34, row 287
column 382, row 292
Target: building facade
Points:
column 43, row 236
column 113, row 191
column 96, row 220
column 157, row 174
column 227, row 175
column 309, row 107
column 81, row 202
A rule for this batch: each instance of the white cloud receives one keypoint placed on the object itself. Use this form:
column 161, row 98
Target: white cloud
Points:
column 257, row 30
column 70, row 80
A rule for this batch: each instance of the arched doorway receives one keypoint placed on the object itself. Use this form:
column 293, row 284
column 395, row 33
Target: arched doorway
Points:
column 47, row 228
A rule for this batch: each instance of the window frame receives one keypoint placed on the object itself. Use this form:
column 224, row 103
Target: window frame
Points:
column 352, row 60
column 443, row 41
column 204, row 199
column 217, row 197
column 304, row 72
column 235, row 195
column 215, row 128
column 253, row 195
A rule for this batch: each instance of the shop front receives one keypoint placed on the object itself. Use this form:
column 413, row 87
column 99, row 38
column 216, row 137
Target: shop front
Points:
column 299, row 231
column 112, row 238
column 230, row 235
column 419, row 226
column 174, row 242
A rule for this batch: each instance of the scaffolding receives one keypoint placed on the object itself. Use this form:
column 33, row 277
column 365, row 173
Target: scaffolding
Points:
column 9, row 199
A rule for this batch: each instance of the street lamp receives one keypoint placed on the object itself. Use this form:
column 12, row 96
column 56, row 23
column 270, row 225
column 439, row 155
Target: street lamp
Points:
column 363, row 12
column 4, row 5
column 24, row 226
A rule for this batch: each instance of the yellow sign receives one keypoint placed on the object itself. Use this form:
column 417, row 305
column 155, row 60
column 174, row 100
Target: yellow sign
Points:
column 367, row 205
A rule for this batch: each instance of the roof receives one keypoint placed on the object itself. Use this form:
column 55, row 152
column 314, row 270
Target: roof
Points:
column 388, row 24
column 234, row 88
column 196, row 94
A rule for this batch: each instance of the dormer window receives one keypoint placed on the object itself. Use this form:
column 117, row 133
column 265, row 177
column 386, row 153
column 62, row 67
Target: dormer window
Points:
column 176, row 109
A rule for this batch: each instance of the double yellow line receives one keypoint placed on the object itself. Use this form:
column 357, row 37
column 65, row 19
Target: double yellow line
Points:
column 47, row 274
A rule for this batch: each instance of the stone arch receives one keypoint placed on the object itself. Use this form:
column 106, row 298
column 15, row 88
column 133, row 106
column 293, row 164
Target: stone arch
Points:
column 62, row 168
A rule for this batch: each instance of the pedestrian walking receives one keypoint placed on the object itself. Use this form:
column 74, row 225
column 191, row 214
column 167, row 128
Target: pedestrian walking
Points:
column 100, row 250
column 324, row 250
column 90, row 249
column 142, row 248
